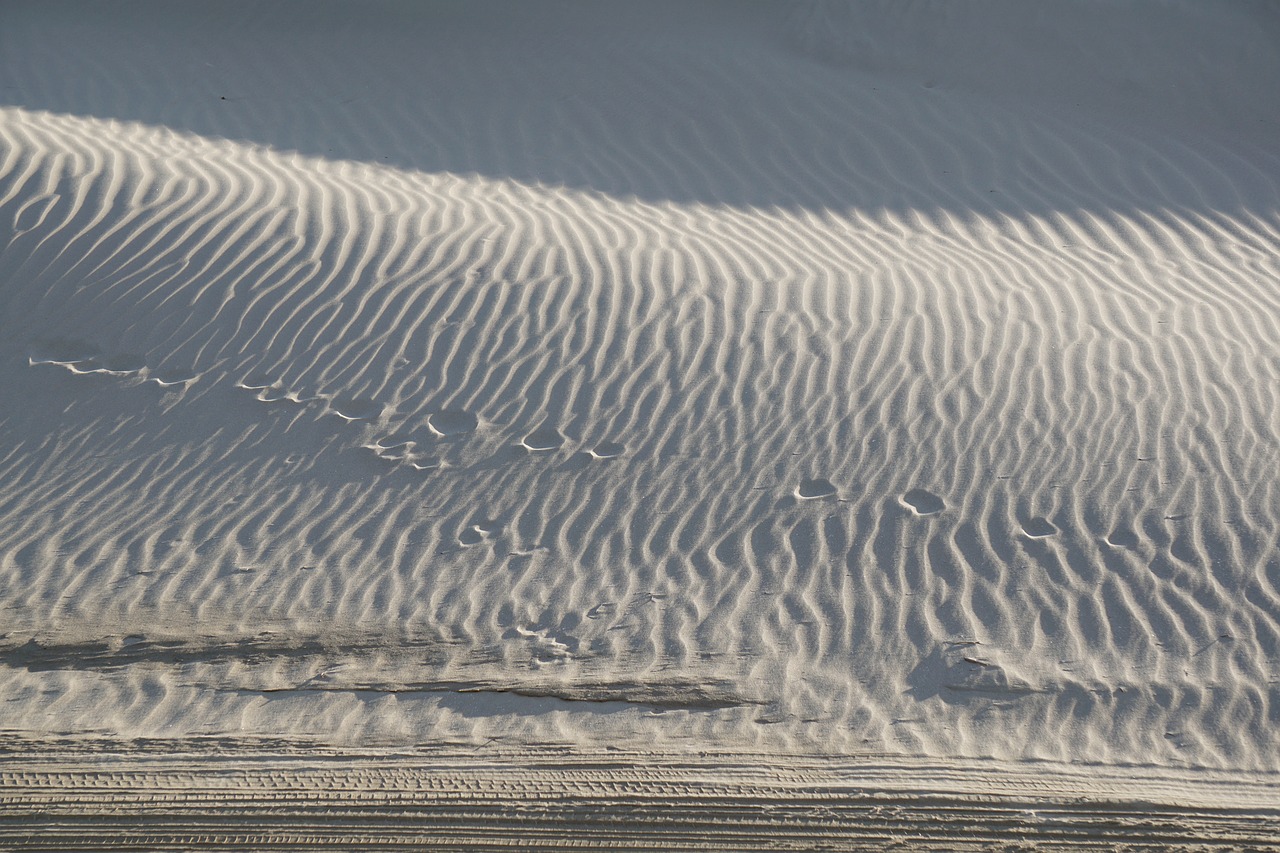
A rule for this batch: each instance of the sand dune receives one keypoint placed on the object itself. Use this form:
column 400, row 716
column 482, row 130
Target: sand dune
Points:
column 793, row 378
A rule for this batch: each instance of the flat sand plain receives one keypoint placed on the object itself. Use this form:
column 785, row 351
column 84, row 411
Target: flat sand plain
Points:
column 707, row 419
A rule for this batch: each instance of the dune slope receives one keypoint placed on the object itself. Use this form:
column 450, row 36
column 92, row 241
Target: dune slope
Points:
column 815, row 378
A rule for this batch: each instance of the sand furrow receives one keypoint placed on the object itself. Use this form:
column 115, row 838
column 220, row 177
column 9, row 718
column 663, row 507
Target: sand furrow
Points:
column 463, row 802
column 919, row 415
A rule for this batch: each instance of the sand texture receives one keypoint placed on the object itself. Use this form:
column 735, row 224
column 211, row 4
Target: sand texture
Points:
column 884, row 382
column 548, row 801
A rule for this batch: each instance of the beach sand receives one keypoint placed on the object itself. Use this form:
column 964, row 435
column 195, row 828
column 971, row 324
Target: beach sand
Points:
column 657, row 424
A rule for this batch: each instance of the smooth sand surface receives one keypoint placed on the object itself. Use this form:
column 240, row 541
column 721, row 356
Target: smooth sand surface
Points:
column 883, row 382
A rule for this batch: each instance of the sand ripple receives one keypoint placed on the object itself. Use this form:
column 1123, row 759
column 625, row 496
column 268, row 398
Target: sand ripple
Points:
column 964, row 478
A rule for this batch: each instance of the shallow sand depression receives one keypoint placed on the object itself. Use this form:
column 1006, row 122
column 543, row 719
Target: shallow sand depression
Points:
column 785, row 400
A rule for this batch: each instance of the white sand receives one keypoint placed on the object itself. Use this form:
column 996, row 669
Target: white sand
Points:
column 793, row 378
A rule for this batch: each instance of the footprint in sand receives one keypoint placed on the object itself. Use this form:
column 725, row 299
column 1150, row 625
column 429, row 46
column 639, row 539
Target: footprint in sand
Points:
column 814, row 489
column 423, row 463
column 269, row 390
column 1122, row 537
column 64, row 353
column 452, row 422
column 607, row 450
column 604, row 608
column 173, row 380
column 546, row 643
column 392, row 449
column 355, row 409
column 543, row 439
column 82, row 358
column 923, row 502
column 399, row 450
column 257, row 381
column 280, row 395
column 478, row 532
column 1038, row 528
column 116, row 365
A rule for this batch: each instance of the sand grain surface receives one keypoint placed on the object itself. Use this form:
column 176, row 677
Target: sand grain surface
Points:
column 786, row 379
